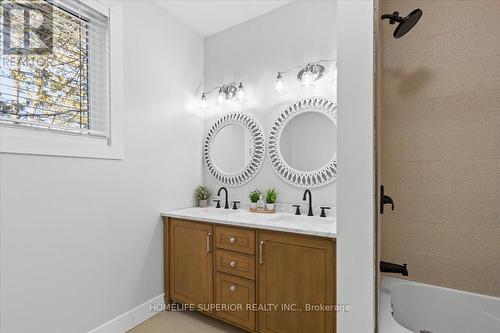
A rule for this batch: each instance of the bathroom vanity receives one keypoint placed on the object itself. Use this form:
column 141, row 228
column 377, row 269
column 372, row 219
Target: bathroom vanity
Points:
column 260, row 272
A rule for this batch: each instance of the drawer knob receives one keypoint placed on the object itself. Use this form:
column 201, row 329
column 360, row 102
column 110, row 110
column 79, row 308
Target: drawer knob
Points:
column 232, row 288
column 232, row 264
column 232, row 239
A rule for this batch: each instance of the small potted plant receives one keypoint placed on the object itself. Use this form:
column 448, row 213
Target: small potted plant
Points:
column 271, row 197
column 254, row 197
column 202, row 194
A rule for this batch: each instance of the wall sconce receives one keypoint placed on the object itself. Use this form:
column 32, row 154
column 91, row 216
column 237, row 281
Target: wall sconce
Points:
column 203, row 102
column 226, row 92
column 307, row 74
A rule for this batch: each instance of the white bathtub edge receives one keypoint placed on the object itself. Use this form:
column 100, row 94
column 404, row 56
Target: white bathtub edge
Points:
column 387, row 323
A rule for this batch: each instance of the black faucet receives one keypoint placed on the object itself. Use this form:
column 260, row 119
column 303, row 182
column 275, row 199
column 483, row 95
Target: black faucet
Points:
column 310, row 212
column 226, row 206
column 389, row 267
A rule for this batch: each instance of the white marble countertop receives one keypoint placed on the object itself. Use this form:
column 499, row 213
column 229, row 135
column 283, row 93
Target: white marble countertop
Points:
column 316, row 226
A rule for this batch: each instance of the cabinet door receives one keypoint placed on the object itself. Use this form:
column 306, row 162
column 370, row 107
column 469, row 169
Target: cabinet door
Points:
column 295, row 271
column 191, row 262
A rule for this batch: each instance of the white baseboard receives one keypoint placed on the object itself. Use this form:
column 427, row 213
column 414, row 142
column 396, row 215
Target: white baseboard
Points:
column 132, row 318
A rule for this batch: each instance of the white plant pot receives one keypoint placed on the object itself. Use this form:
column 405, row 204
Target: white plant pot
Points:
column 203, row 203
column 253, row 205
column 269, row 206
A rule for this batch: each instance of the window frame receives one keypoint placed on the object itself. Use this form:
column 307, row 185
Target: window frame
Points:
column 25, row 140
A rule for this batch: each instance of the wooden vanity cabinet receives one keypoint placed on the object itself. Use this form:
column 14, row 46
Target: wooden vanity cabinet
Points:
column 206, row 263
column 191, row 262
column 295, row 270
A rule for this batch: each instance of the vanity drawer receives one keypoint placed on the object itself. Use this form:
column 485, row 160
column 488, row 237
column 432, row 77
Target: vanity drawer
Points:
column 235, row 239
column 235, row 293
column 235, row 263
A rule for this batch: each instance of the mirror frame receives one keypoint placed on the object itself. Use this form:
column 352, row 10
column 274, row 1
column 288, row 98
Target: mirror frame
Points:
column 258, row 149
column 314, row 178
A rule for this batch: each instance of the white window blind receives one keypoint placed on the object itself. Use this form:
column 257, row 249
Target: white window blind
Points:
column 55, row 67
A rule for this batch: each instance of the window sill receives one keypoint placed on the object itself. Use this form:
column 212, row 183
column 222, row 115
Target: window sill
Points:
column 39, row 142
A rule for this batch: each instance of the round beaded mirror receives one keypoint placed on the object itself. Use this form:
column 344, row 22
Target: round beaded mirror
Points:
column 234, row 149
column 304, row 154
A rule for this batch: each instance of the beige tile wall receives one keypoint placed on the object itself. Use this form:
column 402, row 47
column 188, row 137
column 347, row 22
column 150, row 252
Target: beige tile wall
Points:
column 441, row 143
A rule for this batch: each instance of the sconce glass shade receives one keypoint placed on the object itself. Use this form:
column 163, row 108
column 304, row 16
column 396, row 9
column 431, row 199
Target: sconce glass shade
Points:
column 307, row 78
column 279, row 87
column 220, row 97
column 240, row 95
column 203, row 102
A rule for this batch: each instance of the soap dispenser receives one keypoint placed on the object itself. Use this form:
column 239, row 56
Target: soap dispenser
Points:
column 260, row 203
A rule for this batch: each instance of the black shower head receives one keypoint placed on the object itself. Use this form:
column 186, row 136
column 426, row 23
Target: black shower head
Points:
column 405, row 24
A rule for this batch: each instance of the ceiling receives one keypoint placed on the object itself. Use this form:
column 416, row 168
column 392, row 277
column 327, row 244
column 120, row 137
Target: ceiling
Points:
column 211, row 16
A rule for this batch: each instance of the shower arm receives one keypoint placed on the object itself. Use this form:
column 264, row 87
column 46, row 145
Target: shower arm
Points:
column 393, row 18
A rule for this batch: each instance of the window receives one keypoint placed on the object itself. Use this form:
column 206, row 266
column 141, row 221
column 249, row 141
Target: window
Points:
column 55, row 67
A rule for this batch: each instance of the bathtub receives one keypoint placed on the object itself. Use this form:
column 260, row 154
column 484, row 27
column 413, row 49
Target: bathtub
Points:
column 407, row 306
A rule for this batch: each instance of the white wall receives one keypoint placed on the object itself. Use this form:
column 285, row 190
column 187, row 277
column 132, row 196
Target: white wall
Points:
column 81, row 239
column 355, row 204
column 253, row 52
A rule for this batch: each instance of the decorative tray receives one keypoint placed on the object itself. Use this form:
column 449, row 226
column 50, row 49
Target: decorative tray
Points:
column 262, row 211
